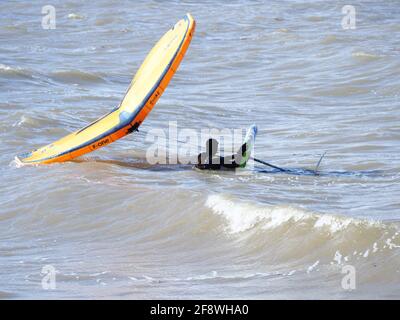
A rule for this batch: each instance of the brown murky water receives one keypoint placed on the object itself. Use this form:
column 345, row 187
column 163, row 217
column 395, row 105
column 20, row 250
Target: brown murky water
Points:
column 113, row 227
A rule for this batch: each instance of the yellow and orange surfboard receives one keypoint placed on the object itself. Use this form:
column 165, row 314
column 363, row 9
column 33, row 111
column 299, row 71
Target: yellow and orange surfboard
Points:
column 146, row 88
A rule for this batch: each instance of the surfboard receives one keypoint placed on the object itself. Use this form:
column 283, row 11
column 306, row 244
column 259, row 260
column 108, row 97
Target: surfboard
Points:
column 147, row 86
column 249, row 140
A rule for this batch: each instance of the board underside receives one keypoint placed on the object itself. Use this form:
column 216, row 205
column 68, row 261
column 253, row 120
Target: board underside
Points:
column 147, row 86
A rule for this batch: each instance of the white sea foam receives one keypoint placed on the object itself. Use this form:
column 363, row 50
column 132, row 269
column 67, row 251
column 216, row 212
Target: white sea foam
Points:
column 362, row 54
column 5, row 67
column 313, row 266
column 242, row 216
column 16, row 163
column 21, row 122
column 338, row 257
column 16, row 71
column 75, row 16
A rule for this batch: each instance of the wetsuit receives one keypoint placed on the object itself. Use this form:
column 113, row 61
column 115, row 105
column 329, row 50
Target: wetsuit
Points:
column 218, row 162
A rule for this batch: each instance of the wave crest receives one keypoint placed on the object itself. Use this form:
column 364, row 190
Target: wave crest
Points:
column 242, row 216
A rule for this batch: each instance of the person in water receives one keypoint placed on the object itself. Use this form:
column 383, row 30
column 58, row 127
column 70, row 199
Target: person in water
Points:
column 210, row 161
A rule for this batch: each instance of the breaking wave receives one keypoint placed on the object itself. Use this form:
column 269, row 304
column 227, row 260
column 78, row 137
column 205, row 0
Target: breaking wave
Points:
column 307, row 240
column 242, row 216
column 14, row 72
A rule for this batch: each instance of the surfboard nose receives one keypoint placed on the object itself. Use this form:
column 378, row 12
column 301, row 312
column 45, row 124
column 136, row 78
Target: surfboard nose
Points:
column 189, row 17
